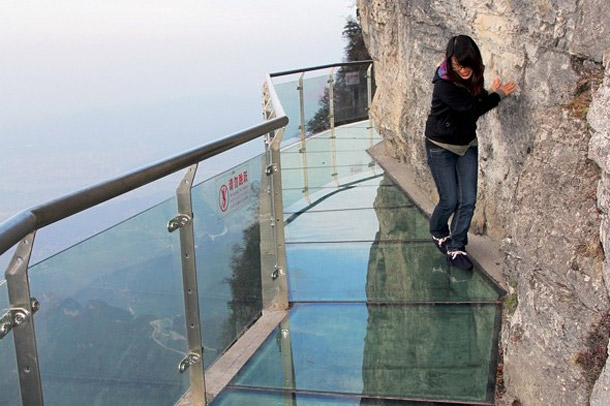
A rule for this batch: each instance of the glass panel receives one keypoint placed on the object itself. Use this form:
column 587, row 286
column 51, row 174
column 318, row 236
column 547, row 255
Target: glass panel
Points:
column 227, row 240
column 325, row 158
column 417, row 351
column 404, row 224
column 315, row 95
column 323, row 176
column 10, row 393
column 288, row 93
column 352, row 197
column 350, row 94
column 111, row 326
column 234, row 397
column 297, row 198
column 384, row 272
column 317, row 103
column 369, row 181
column 353, row 137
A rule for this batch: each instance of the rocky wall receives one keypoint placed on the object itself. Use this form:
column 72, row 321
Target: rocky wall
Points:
column 540, row 193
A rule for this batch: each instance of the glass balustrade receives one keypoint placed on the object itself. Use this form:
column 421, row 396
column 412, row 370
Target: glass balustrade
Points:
column 111, row 323
column 227, row 244
column 350, row 94
column 315, row 103
column 9, row 375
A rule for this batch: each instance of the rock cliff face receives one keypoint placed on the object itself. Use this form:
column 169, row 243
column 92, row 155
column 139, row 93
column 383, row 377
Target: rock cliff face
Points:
column 541, row 191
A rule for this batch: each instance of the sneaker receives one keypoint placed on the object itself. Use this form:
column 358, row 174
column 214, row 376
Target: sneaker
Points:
column 441, row 243
column 459, row 259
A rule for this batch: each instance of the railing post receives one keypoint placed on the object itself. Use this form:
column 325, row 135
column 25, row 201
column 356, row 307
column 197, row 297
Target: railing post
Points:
column 331, row 102
column 287, row 358
column 273, row 258
column 369, row 88
column 331, row 119
column 275, row 284
column 23, row 307
column 184, row 222
column 303, row 150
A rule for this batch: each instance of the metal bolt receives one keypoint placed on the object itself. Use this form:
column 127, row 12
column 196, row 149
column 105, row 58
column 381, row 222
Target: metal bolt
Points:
column 35, row 304
column 4, row 329
column 19, row 318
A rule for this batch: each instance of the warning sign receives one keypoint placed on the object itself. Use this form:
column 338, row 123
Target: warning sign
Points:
column 223, row 198
column 234, row 191
column 352, row 78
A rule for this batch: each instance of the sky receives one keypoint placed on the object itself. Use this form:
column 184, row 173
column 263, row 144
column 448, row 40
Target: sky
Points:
column 92, row 89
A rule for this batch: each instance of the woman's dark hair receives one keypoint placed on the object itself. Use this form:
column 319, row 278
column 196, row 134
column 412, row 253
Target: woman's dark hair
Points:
column 467, row 54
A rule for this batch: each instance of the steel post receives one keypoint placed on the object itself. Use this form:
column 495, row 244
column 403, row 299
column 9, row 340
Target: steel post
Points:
column 184, row 222
column 369, row 88
column 273, row 250
column 331, row 119
column 303, row 149
column 277, row 211
column 23, row 307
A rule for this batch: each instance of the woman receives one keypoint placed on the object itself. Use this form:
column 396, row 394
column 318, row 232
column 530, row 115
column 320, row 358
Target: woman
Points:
column 458, row 100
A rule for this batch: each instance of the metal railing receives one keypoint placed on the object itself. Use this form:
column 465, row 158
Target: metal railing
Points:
column 20, row 231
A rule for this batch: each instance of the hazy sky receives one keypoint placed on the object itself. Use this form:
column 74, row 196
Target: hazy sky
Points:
column 91, row 89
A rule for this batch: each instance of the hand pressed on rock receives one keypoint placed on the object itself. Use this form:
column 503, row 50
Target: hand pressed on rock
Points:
column 506, row 88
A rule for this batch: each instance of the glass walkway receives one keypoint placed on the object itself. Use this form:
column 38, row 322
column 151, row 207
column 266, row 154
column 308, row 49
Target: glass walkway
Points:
column 377, row 316
column 139, row 313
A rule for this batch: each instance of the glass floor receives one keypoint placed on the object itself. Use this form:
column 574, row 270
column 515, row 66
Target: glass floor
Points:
column 377, row 316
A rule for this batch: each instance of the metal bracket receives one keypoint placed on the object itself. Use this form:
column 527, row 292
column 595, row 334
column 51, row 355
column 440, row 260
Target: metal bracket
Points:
column 16, row 317
column 189, row 360
column 6, row 324
column 277, row 272
column 271, row 169
column 177, row 222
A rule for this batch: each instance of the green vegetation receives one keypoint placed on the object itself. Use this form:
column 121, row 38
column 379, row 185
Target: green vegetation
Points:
column 350, row 85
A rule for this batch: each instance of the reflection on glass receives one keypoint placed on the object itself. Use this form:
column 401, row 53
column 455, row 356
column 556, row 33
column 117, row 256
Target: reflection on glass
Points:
column 245, row 397
column 380, row 272
column 413, row 351
column 111, row 322
column 227, row 242
column 9, row 375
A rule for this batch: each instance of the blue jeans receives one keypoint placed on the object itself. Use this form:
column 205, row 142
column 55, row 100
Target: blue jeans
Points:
column 456, row 182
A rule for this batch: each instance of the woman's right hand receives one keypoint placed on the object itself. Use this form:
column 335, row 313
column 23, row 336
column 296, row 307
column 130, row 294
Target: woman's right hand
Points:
column 508, row 88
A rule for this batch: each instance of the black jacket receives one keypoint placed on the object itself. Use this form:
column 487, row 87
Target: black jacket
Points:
column 455, row 111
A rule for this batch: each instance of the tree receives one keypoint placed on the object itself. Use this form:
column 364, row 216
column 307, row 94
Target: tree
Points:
column 350, row 84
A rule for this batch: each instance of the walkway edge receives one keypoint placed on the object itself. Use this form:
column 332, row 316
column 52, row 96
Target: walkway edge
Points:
column 483, row 250
column 228, row 365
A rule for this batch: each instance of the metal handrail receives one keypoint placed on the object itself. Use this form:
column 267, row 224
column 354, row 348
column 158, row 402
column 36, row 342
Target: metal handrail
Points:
column 332, row 65
column 23, row 223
